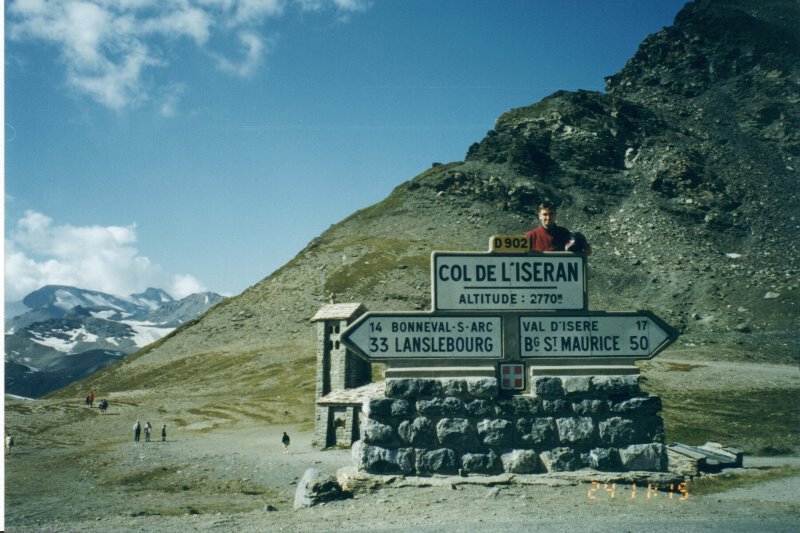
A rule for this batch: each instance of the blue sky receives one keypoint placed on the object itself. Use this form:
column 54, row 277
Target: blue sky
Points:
column 200, row 144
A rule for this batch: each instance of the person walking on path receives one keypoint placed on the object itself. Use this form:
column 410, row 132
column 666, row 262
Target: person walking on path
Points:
column 148, row 429
column 164, row 433
column 137, row 431
column 285, row 440
column 9, row 443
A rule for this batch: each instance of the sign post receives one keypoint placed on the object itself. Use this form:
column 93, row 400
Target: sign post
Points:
column 509, row 307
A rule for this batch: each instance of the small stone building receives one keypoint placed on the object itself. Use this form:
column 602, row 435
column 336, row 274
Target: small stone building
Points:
column 340, row 377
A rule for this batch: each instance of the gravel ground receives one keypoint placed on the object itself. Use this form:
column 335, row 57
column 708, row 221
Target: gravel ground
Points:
column 74, row 469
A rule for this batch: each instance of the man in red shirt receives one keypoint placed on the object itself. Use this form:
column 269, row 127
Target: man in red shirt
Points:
column 550, row 237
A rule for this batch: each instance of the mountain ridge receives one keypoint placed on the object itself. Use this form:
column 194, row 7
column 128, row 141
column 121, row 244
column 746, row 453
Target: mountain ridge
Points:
column 68, row 333
column 683, row 195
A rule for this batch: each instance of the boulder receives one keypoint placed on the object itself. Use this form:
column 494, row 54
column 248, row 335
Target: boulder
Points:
column 316, row 487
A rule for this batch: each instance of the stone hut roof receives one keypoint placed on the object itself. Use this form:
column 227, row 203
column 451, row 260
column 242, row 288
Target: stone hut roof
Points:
column 338, row 311
column 356, row 396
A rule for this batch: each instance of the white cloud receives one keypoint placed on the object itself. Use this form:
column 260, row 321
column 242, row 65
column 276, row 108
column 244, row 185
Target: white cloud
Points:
column 170, row 99
column 252, row 50
column 183, row 285
column 104, row 258
column 107, row 45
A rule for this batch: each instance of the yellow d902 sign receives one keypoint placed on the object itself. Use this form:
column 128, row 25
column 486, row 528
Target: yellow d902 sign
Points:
column 509, row 244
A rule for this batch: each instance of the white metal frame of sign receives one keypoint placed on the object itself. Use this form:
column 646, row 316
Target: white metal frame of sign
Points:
column 508, row 282
column 393, row 336
column 633, row 335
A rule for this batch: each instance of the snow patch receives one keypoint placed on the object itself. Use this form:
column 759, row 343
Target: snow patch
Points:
column 145, row 333
column 66, row 341
column 105, row 315
column 66, row 300
column 101, row 301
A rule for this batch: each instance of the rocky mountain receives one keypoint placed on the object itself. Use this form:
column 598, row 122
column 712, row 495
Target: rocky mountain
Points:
column 683, row 174
column 69, row 333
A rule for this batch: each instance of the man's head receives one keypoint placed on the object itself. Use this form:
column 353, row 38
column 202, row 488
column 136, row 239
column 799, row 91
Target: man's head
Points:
column 547, row 214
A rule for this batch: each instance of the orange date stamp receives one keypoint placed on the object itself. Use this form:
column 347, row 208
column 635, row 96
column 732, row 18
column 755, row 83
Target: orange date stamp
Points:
column 611, row 491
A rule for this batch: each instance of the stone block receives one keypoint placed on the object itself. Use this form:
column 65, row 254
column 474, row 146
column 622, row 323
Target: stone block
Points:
column 517, row 406
column 495, row 432
column 441, row 407
column 556, row 408
column 588, row 407
column 439, row 461
column 618, row 431
column 604, row 459
column 386, row 407
column 620, row 386
column 456, row 433
column 576, row 430
column 576, row 386
column 482, row 387
column 650, row 428
column 643, row 405
column 547, row 387
column 521, row 462
column 650, row 457
column 378, row 433
column 479, row 408
column 455, row 387
column 481, row 463
column 378, row 460
column 560, row 460
column 413, row 388
column 537, row 431
column 419, row 433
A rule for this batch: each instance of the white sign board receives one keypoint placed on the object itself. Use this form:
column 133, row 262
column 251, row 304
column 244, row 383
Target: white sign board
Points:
column 530, row 282
column 379, row 336
column 638, row 335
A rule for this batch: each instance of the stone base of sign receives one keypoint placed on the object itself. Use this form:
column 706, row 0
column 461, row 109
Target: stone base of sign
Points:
column 361, row 482
column 464, row 426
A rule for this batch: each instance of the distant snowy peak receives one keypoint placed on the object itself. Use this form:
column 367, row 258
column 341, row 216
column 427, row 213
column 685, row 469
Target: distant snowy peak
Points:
column 66, row 298
column 154, row 307
column 152, row 298
column 66, row 333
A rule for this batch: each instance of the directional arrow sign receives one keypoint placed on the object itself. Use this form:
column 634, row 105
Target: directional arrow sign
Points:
column 639, row 335
column 379, row 336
